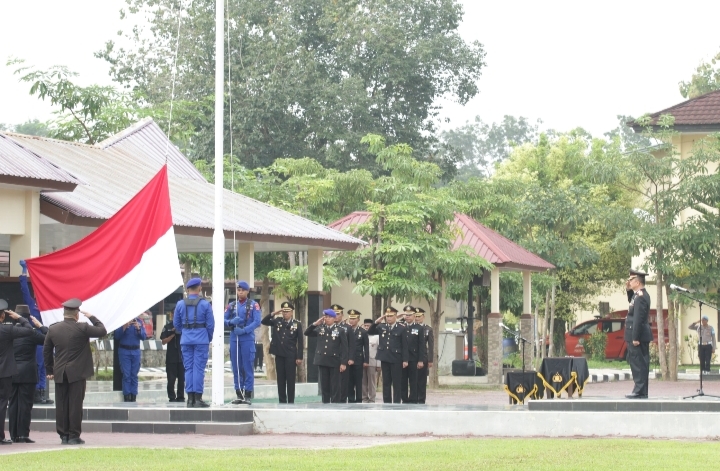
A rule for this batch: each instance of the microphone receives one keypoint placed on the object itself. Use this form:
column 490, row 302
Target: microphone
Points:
column 679, row 288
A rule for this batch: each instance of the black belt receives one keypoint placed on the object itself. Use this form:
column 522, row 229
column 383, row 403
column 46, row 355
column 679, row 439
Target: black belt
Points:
column 194, row 326
column 130, row 347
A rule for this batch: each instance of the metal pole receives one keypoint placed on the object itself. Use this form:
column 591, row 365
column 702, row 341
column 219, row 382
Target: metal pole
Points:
column 218, row 264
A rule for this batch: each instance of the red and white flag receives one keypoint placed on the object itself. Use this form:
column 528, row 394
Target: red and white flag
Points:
column 121, row 269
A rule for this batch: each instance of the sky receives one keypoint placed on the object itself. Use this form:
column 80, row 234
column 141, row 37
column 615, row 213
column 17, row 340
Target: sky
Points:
column 569, row 63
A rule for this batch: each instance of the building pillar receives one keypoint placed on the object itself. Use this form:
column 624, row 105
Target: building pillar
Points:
column 495, row 350
column 246, row 263
column 315, row 300
column 526, row 320
column 25, row 243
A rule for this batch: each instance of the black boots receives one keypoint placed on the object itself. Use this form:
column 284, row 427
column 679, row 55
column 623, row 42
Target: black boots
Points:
column 199, row 401
column 129, row 398
column 191, row 399
column 41, row 398
column 242, row 397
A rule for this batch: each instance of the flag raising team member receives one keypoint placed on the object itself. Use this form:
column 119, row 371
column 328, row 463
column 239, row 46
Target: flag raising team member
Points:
column 127, row 341
column 242, row 317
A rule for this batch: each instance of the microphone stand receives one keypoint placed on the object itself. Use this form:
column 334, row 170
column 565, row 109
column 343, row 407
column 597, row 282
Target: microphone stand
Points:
column 523, row 341
column 700, row 392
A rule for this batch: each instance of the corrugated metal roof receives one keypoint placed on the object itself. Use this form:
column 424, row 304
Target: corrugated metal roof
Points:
column 488, row 244
column 18, row 161
column 116, row 169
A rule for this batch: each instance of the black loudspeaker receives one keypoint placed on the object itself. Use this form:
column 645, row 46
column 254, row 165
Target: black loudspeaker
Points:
column 463, row 368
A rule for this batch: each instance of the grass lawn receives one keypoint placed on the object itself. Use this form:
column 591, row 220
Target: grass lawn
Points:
column 491, row 454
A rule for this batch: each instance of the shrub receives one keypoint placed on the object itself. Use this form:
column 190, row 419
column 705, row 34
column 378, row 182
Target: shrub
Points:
column 595, row 346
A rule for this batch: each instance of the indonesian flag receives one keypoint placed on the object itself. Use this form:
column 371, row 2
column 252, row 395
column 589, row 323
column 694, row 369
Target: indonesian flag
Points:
column 121, row 269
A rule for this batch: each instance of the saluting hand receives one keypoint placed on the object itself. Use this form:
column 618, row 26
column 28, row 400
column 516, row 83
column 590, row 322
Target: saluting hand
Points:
column 12, row 314
column 35, row 322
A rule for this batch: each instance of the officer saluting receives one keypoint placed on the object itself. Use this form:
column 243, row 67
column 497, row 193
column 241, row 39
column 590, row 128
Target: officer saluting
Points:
column 345, row 375
column 287, row 346
column 638, row 334
column 331, row 354
column 194, row 322
column 359, row 359
column 416, row 353
column 392, row 353
column 427, row 360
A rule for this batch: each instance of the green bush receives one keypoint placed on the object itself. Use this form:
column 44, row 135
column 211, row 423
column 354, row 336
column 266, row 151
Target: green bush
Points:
column 595, row 346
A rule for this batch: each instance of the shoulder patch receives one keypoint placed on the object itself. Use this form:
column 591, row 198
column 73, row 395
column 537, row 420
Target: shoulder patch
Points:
column 639, row 293
column 257, row 306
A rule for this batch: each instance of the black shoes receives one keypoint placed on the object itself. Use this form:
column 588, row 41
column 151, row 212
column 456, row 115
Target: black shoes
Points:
column 76, row 441
column 41, row 398
column 242, row 397
column 6, row 441
column 636, row 396
column 199, row 401
column 23, row 440
column 64, row 440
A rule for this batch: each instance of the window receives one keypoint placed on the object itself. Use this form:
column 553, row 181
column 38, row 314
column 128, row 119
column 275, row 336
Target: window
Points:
column 4, row 263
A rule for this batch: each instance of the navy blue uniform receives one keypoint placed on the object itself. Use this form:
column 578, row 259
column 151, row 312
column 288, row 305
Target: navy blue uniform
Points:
column 195, row 322
column 35, row 312
column 243, row 317
column 127, row 341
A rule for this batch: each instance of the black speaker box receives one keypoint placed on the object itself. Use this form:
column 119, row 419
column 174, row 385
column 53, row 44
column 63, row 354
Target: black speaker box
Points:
column 463, row 368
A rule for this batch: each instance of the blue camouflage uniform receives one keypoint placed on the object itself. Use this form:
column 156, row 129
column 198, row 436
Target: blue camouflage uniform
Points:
column 195, row 323
column 243, row 317
column 35, row 312
column 127, row 341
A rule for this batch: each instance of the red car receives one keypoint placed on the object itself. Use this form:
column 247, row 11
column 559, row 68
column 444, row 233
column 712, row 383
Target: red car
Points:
column 614, row 327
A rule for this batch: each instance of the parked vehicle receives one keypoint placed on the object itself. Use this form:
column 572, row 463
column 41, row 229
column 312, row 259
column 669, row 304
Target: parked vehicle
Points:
column 614, row 326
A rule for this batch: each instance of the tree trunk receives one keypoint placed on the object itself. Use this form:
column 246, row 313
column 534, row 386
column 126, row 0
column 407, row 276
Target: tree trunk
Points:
column 552, row 322
column 436, row 316
column 536, row 352
column 301, row 312
column 673, row 309
column 188, row 272
column 265, row 331
column 376, row 306
column 661, row 323
column 546, row 318
column 291, row 259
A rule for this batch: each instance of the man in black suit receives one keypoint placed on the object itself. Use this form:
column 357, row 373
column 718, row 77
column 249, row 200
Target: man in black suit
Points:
column 331, row 354
column 638, row 334
column 21, row 401
column 70, row 367
column 427, row 360
column 174, row 367
column 287, row 346
column 360, row 358
column 392, row 353
column 8, row 333
column 415, row 334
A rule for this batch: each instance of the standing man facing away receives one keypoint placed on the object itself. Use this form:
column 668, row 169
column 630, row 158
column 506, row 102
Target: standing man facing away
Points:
column 331, row 354
column 21, row 401
column 174, row 367
column 369, row 388
column 70, row 367
column 638, row 334
column 706, row 343
column 127, row 340
column 41, row 392
column 242, row 316
column 287, row 346
column 392, row 353
column 360, row 359
column 8, row 333
column 427, row 361
column 194, row 322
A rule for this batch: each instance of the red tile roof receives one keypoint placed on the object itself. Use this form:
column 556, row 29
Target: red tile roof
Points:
column 702, row 111
column 488, row 244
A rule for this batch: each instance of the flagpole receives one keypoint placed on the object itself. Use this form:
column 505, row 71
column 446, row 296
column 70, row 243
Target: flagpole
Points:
column 218, row 264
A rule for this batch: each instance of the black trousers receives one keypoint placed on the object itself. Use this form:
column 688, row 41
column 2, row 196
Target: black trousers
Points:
column 422, row 383
column 705, row 354
column 259, row 355
column 286, row 371
column 330, row 383
column 392, row 377
column 639, row 360
column 408, row 388
column 69, row 399
column 175, row 371
column 355, row 379
column 20, row 409
column 5, row 393
column 344, row 385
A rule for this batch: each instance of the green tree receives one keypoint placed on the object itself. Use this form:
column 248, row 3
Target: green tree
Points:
column 307, row 77
column 706, row 79
column 31, row 127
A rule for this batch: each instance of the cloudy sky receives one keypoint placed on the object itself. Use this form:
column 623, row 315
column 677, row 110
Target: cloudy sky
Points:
column 568, row 63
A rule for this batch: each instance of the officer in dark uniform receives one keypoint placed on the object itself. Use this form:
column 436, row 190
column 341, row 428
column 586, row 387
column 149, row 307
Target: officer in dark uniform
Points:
column 426, row 361
column 345, row 375
column 392, row 353
column 174, row 367
column 21, row 401
column 127, row 340
column 360, row 358
column 416, row 353
column 331, row 354
column 194, row 321
column 8, row 367
column 638, row 334
column 287, row 346
column 70, row 367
